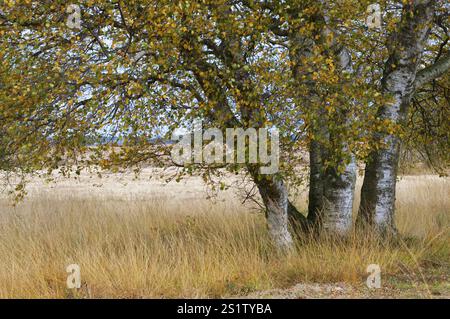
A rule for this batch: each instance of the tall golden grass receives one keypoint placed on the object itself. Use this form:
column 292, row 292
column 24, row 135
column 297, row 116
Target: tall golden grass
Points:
column 197, row 248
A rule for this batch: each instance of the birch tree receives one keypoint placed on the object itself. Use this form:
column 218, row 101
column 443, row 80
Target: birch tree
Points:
column 402, row 77
column 135, row 70
column 324, row 41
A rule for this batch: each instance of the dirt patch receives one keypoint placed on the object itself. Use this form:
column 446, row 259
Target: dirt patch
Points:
column 347, row 291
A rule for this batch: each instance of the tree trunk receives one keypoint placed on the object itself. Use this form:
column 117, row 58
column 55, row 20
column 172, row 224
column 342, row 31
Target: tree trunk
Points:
column 377, row 209
column 316, row 183
column 338, row 193
column 331, row 195
column 275, row 198
column 331, row 192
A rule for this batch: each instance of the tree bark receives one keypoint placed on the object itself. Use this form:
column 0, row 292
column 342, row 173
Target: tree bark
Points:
column 331, row 191
column 275, row 198
column 338, row 193
column 316, row 183
column 331, row 194
column 377, row 209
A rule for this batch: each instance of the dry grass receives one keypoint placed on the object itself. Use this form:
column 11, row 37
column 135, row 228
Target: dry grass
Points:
column 195, row 248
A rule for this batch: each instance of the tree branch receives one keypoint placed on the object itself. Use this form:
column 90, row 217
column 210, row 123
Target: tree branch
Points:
column 432, row 72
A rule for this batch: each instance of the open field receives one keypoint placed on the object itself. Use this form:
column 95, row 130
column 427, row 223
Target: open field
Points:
column 139, row 238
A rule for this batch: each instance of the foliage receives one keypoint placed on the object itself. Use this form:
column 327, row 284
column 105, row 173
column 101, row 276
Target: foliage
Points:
column 139, row 69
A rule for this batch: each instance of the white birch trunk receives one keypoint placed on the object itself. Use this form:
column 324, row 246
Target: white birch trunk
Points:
column 338, row 194
column 275, row 198
column 377, row 210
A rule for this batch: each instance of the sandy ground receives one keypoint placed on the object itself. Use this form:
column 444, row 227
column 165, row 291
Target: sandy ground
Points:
column 346, row 291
